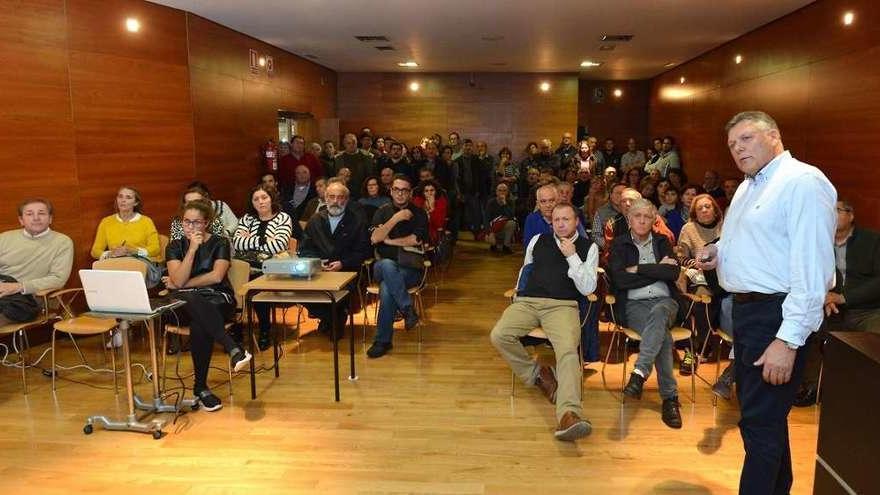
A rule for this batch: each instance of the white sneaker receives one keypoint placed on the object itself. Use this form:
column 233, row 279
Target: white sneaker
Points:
column 115, row 341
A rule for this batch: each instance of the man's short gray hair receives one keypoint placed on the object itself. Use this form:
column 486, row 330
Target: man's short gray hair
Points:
column 338, row 184
column 547, row 187
column 762, row 119
column 642, row 204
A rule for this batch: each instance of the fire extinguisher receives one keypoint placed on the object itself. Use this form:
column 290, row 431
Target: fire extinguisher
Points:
column 270, row 156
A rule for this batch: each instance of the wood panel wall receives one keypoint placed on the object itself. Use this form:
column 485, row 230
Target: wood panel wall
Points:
column 612, row 117
column 235, row 110
column 501, row 109
column 818, row 78
column 86, row 107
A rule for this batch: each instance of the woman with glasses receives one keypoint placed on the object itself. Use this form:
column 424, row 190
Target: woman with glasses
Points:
column 198, row 264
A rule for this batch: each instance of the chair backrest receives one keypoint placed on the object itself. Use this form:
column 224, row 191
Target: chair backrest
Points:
column 239, row 272
column 125, row 263
column 163, row 243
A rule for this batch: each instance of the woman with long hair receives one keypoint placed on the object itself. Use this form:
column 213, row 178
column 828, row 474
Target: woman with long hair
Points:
column 430, row 197
column 198, row 263
column 263, row 231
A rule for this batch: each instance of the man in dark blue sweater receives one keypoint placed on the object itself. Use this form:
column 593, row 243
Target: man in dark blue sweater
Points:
column 559, row 269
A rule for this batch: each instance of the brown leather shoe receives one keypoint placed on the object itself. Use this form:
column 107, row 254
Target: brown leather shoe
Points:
column 546, row 381
column 571, row 427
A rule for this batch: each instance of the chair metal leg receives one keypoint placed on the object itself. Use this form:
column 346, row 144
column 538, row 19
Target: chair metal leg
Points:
column 512, row 384
column 76, row 346
column 115, row 377
column 23, row 358
column 53, row 370
column 610, row 348
column 694, row 376
column 625, row 342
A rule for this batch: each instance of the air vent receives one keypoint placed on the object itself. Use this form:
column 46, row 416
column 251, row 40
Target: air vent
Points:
column 622, row 38
column 384, row 48
column 606, row 48
column 492, row 37
column 368, row 39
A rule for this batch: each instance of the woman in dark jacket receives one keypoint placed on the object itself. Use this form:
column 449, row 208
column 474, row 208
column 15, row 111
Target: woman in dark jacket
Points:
column 501, row 219
column 197, row 267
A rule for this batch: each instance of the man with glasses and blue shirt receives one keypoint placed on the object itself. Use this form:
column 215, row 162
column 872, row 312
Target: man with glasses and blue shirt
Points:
column 396, row 225
column 776, row 257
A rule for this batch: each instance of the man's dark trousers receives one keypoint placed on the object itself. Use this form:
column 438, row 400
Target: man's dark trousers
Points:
column 764, row 407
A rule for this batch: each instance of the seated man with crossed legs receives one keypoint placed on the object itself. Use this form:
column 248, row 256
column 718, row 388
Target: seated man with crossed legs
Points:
column 558, row 270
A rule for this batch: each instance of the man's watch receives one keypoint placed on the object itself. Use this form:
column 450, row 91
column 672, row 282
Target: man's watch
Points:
column 791, row 346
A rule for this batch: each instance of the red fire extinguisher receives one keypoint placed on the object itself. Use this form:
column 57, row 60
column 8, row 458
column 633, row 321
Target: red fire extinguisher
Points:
column 270, row 156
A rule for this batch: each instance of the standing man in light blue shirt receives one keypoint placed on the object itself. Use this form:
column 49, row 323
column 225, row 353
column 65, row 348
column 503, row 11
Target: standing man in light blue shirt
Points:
column 776, row 256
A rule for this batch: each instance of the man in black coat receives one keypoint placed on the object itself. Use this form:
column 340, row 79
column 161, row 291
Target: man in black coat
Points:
column 339, row 236
column 854, row 302
column 643, row 272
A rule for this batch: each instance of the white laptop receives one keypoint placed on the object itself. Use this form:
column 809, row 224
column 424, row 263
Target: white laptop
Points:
column 118, row 291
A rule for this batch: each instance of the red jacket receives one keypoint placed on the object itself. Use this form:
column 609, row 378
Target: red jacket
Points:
column 287, row 168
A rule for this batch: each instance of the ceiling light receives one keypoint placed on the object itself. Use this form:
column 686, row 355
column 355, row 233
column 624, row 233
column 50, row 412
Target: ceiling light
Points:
column 682, row 80
column 738, row 59
column 133, row 25
column 262, row 61
column 545, row 86
column 618, row 93
column 848, row 18
column 414, row 86
column 407, row 64
column 670, row 64
column 590, row 63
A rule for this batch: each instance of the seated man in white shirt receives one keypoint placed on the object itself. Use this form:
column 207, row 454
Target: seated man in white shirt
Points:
column 559, row 269
column 34, row 258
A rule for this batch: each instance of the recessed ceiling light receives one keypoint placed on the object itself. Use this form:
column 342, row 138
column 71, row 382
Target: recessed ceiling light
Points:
column 545, row 86
column 618, row 93
column 738, row 59
column 617, row 37
column 670, row 64
column 606, row 48
column 682, row 80
column 132, row 25
column 848, row 18
column 590, row 63
column 414, row 86
column 372, row 37
column 407, row 64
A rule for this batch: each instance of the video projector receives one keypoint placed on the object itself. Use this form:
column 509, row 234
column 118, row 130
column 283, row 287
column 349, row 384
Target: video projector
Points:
column 295, row 267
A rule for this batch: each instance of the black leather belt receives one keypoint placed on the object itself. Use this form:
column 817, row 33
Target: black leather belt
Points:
column 750, row 297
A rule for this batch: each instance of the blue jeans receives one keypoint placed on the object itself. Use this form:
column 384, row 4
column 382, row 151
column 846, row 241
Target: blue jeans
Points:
column 652, row 319
column 393, row 281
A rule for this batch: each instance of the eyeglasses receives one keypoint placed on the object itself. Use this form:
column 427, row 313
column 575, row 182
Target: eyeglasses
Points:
column 844, row 210
column 398, row 190
column 193, row 223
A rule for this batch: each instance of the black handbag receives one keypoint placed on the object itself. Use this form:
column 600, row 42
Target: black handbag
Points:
column 411, row 257
column 18, row 307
